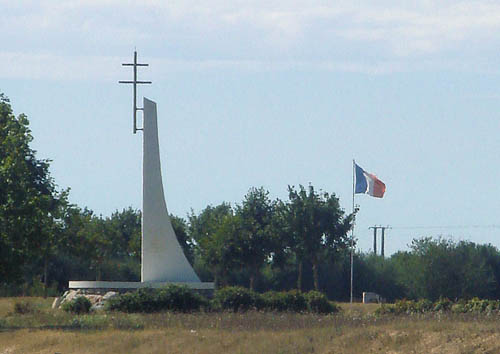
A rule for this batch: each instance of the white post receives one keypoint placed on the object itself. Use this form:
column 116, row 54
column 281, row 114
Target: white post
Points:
column 353, row 222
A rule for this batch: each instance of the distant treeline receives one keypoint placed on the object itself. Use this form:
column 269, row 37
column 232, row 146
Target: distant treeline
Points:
column 262, row 244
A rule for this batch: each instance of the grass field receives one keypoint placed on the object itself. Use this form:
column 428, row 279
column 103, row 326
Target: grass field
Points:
column 355, row 330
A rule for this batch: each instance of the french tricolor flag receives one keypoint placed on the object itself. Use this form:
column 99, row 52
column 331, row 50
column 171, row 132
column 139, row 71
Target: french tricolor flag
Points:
column 368, row 184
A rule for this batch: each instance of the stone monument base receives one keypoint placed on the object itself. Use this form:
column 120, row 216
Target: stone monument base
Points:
column 102, row 287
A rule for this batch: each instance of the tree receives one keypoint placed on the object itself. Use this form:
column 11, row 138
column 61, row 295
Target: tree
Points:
column 125, row 233
column 29, row 202
column 316, row 224
column 442, row 267
column 220, row 250
column 203, row 229
column 181, row 232
column 255, row 240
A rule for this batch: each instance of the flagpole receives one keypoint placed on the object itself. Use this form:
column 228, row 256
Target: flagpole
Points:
column 352, row 230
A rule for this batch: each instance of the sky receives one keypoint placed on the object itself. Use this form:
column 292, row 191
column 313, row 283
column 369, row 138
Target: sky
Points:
column 270, row 93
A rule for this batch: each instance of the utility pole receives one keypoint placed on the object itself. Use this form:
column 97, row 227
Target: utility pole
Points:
column 382, row 243
column 135, row 64
column 375, row 228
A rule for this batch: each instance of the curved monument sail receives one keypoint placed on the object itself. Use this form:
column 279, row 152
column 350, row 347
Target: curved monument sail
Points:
column 163, row 259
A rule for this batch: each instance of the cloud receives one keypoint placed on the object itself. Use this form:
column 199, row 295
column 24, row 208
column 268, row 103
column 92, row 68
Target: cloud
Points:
column 254, row 35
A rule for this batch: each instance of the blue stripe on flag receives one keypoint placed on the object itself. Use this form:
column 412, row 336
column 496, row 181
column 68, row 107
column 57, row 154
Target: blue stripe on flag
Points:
column 361, row 183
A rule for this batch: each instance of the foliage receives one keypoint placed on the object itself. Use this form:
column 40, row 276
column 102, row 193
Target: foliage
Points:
column 212, row 231
column 29, row 202
column 181, row 232
column 317, row 302
column 78, row 305
column 316, row 226
column 170, row 298
column 443, row 305
column 236, row 299
column 24, row 307
column 293, row 301
column 442, row 268
column 255, row 240
column 268, row 245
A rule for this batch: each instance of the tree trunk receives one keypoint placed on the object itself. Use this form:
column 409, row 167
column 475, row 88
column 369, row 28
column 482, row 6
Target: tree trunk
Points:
column 98, row 273
column 216, row 281
column 223, row 278
column 315, row 275
column 299, row 278
column 45, row 275
column 252, row 280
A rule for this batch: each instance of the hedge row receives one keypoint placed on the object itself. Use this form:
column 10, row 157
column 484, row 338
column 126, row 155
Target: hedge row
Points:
column 241, row 299
column 171, row 297
column 78, row 305
column 474, row 305
column 235, row 299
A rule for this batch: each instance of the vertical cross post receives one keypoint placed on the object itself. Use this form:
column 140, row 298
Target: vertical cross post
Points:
column 382, row 244
column 383, row 238
column 135, row 64
column 374, row 238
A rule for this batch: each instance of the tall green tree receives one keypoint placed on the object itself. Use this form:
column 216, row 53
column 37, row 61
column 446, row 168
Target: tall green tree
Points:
column 442, row 267
column 208, row 239
column 255, row 239
column 221, row 249
column 317, row 226
column 183, row 237
column 29, row 201
column 125, row 233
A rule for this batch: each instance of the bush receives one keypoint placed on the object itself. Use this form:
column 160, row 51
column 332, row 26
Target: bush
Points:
column 319, row 303
column 458, row 308
column 179, row 298
column 235, row 298
column 477, row 305
column 171, row 298
column 385, row 309
column 443, row 304
column 78, row 305
column 292, row 300
column 423, row 306
column 24, row 307
column 405, row 306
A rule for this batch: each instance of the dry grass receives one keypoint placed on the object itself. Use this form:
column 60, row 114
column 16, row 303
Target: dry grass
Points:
column 356, row 330
column 7, row 304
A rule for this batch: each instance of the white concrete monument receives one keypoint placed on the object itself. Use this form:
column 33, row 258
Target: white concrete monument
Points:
column 163, row 260
column 162, row 257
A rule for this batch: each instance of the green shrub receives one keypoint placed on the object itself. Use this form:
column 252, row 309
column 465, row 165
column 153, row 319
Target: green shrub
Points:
column 458, row 308
column 443, row 304
column 292, row 300
column 141, row 300
column 319, row 303
column 405, row 306
column 179, row 298
column 78, row 305
column 24, row 307
column 385, row 309
column 171, row 298
column 477, row 305
column 235, row 298
column 493, row 305
column 423, row 306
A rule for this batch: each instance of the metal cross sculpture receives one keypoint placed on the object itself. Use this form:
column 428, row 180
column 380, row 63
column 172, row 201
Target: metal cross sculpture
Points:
column 135, row 64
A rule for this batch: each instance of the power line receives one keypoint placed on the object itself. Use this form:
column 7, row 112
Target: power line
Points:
column 492, row 226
